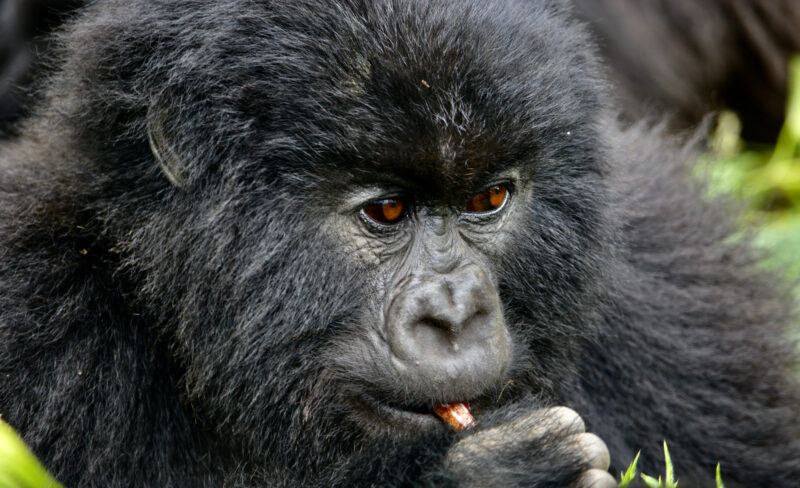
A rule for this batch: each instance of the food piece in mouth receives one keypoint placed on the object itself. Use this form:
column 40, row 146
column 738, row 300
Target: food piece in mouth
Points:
column 456, row 415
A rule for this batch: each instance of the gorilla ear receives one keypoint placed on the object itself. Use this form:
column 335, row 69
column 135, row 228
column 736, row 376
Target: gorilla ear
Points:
column 168, row 158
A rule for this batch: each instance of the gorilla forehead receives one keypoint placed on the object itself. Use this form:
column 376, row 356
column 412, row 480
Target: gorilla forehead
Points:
column 430, row 92
column 444, row 93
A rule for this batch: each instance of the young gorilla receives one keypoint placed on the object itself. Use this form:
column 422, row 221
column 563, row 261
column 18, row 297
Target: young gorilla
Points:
column 251, row 243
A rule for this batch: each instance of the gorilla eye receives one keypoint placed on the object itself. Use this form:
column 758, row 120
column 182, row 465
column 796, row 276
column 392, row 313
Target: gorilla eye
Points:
column 488, row 200
column 388, row 211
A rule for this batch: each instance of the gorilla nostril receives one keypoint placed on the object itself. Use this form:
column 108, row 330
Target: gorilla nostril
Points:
column 432, row 338
column 435, row 323
column 446, row 332
column 456, row 325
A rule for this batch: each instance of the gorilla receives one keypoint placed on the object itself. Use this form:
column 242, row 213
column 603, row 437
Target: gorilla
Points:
column 263, row 242
column 691, row 58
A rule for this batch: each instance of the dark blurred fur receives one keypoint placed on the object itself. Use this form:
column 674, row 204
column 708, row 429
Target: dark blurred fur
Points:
column 682, row 57
column 689, row 57
column 24, row 44
column 156, row 336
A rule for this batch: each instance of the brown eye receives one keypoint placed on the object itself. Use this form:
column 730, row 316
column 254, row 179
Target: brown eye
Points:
column 488, row 200
column 389, row 211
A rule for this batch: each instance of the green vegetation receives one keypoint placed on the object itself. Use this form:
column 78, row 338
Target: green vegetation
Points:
column 669, row 480
column 669, row 475
column 19, row 468
column 630, row 473
column 766, row 178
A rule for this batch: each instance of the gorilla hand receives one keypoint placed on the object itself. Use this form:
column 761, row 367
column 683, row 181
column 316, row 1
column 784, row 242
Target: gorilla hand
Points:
column 507, row 454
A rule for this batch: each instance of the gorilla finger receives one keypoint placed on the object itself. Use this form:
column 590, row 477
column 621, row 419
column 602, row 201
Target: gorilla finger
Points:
column 539, row 423
column 596, row 478
column 594, row 450
column 560, row 419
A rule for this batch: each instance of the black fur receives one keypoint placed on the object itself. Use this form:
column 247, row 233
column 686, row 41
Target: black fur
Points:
column 690, row 58
column 684, row 57
column 205, row 332
column 24, row 25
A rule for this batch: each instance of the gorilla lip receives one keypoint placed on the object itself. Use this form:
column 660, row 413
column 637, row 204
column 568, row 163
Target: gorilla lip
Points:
column 456, row 415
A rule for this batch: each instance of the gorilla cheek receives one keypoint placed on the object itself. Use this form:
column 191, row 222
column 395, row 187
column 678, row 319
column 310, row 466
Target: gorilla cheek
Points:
column 446, row 335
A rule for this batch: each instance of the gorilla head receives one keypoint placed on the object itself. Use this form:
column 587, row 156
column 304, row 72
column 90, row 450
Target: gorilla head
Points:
column 276, row 236
column 392, row 198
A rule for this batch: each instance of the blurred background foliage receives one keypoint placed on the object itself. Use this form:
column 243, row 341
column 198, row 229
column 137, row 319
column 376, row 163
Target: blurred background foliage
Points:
column 766, row 178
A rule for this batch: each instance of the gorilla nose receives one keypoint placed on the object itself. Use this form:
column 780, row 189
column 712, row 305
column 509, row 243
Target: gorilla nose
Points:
column 447, row 331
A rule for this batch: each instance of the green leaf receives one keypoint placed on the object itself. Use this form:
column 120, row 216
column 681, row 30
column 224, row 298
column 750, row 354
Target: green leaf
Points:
column 789, row 137
column 630, row 473
column 651, row 482
column 19, row 468
column 719, row 478
column 669, row 481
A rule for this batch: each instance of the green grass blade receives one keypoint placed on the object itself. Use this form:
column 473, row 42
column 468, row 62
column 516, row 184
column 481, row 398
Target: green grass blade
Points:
column 669, row 476
column 630, row 473
column 19, row 468
column 651, row 482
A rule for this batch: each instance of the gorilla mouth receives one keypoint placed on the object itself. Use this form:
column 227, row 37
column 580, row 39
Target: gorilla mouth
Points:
column 414, row 416
column 454, row 414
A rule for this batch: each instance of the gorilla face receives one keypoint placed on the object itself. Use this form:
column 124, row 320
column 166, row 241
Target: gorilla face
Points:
column 434, row 331
column 399, row 217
